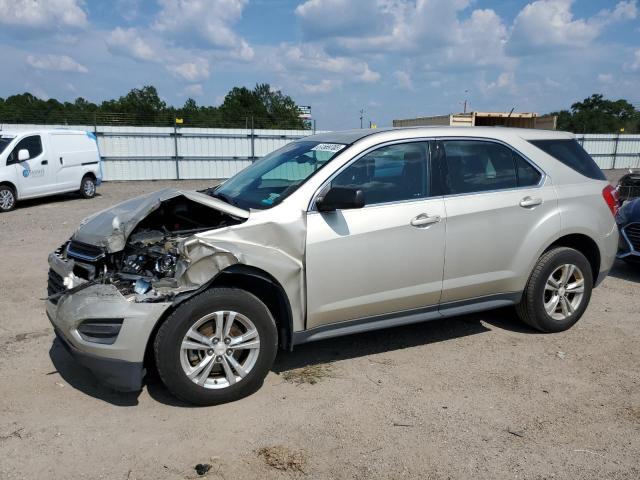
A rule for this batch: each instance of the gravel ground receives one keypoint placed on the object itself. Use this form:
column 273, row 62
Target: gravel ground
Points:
column 479, row 396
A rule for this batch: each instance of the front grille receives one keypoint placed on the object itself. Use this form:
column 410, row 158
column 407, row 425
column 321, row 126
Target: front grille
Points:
column 55, row 285
column 632, row 231
column 83, row 251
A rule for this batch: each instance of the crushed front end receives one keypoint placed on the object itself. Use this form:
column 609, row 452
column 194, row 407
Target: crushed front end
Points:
column 108, row 288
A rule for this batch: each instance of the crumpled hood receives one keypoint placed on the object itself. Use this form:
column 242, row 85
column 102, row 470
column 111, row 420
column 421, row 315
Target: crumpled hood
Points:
column 110, row 228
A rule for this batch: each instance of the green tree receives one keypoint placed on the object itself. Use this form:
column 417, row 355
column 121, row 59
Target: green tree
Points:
column 596, row 114
column 143, row 106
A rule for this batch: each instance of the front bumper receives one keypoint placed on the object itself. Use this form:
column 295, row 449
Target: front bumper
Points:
column 118, row 364
column 629, row 245
column 117, row 374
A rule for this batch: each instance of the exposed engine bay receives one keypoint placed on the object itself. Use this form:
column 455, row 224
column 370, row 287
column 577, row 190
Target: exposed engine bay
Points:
column 154, row 262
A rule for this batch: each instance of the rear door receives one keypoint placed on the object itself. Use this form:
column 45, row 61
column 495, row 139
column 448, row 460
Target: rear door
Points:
column 34, row 176
column 498, row 205
column 386, row 257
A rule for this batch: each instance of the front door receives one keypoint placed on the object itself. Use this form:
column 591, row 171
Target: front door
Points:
column 386, row 257
column 34, row 176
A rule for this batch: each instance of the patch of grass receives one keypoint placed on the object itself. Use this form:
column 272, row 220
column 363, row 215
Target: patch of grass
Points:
column 283, row 458
column 310, row 374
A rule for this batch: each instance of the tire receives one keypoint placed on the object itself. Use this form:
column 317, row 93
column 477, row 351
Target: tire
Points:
column 88, row 187
column 7, row 198
column 541, row 292
column 214, row 384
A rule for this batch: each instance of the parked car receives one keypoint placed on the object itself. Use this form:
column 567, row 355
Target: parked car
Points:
column 628, row 219
column 38, row 163
column 629, row 186
column 331, row 235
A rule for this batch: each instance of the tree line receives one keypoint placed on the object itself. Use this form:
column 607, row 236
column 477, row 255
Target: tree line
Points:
column 596, row 114
column 260, row 107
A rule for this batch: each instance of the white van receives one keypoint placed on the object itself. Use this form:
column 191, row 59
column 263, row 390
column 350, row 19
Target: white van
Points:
column 36, row 163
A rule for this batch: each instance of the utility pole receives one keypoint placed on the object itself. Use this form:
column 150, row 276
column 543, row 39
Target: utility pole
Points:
column 361, row 117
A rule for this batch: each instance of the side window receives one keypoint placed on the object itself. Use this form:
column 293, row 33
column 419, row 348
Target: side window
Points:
column 528, row 176
column 389, row 174
column 33, row 144
column 477, row 166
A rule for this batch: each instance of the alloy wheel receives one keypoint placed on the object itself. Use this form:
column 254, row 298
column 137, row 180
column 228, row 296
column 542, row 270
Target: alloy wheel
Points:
column 89, row 188
column 220, row 349
column 7, row 199
column 563, row 291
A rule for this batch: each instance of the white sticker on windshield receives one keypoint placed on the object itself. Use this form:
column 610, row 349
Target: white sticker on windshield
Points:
column 328, row 147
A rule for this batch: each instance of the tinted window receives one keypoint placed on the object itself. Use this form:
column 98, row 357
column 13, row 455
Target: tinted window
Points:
column 32, row 144
column 4, row 142
column 389, row 174
column 528, row 176
column 571, row 153
column 476, row 166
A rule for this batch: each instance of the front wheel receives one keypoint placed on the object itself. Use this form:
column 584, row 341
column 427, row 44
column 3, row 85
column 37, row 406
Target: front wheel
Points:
column 217, row 347
column 88, row 187
column 7, row 198
column 558, row 291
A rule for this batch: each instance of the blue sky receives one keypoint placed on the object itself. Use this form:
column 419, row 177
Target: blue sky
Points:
column 394, row 58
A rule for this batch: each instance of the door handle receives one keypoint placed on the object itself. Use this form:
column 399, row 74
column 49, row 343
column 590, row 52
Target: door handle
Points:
column 44, row 162
column 423, row 219
column 528, row 202
column 60, row 160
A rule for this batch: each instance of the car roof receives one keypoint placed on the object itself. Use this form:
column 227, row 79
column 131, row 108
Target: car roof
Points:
column 351, row 136
column 40, row 131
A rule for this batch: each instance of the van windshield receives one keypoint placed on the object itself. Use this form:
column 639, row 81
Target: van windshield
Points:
column 271, row 179
column 4, row 142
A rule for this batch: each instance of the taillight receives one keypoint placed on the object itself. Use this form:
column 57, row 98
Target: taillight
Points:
column 610, row 196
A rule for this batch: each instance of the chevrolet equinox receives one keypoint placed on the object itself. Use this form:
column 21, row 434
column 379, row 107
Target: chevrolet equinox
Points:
column 333, row 234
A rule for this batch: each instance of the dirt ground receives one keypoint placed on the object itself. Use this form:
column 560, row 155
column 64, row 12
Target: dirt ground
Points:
column 478, row 396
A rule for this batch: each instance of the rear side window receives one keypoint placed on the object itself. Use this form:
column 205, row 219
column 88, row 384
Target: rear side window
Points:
column 477, row 166
column 528, row 176
column 571, row 153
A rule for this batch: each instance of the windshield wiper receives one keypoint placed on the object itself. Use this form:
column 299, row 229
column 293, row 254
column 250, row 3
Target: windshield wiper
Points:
column 223, row 197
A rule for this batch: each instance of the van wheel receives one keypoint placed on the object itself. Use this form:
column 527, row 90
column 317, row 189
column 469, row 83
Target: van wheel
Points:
column 88, row 187
column 7, row 198
column 558, row 291
column 217, row 347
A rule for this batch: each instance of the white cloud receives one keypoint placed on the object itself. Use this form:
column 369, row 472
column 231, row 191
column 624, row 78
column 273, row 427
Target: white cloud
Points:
column 403, row 79
column 324, row 86
column 545, row 24
column 191, row 71
column 207, row 21
column 605, row 78
column 58, row 63
column 45, row 15
column 635, row 64
column 328, row 18
column 195, row 90
column 309, row 58
column 129, row 42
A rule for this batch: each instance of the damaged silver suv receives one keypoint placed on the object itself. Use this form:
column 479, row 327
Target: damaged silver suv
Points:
column 332, row 235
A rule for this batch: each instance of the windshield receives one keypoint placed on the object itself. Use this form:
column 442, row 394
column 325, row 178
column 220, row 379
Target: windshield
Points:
column 273, row 178
column 4, row 142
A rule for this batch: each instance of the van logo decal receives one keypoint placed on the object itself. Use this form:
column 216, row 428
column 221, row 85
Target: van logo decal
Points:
column 25, row 172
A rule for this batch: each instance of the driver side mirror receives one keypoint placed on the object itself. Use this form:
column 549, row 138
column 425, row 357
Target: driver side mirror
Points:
column 23, row 154
column 340, row 198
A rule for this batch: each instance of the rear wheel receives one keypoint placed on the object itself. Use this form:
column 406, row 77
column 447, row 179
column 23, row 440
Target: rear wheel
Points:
column 88, row 187
column 217, row 347
column 7, row 198
column 558, row 291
